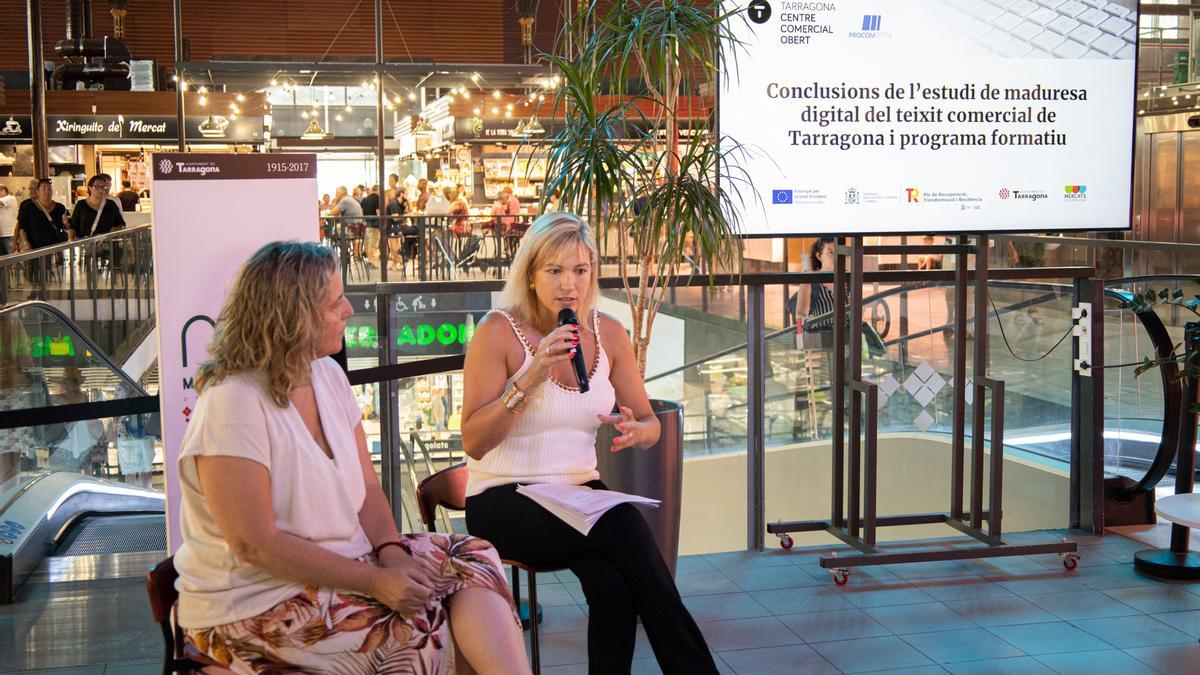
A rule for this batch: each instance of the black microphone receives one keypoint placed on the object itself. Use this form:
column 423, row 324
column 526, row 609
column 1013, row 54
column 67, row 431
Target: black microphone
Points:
column 567, row 316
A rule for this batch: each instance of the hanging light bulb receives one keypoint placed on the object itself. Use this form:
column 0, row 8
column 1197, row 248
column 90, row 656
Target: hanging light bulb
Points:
column 412, row 95
column 338, row 117
column 304, row 114
column 474, row 77
column 241, row 98
column 203, row 100
column 496, row 93
column 274, row 82
column 203, row 89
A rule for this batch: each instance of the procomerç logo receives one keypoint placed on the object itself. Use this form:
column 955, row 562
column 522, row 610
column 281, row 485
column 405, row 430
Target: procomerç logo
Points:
column 871, row 28
column 165, row 166
column 1004, row 193
column 1075, row 193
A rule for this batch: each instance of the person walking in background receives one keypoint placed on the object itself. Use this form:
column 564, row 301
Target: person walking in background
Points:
column 99, row 213
column 398, row 229
column 422, row 194
column 370, row 209
column 129, row 199
column 817, row 299
column 8, row 220
column 41, row 221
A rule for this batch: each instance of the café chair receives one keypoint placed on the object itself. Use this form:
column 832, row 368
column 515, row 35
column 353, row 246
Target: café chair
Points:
column 179, row 655
column 448, row 489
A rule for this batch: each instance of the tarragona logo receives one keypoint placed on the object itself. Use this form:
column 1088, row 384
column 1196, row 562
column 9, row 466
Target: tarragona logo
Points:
column 913, row 195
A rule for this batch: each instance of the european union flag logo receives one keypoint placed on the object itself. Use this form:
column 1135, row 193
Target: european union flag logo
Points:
column 781, row 196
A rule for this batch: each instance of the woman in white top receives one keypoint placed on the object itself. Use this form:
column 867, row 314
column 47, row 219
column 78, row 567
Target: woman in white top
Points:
column 291, row 560
column 525, row 421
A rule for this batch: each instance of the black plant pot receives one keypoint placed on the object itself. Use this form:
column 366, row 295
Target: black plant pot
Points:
column 655, row 472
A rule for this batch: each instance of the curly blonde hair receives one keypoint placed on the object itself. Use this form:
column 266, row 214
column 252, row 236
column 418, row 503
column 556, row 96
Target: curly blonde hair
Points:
column 547, row 238
column 271, row 322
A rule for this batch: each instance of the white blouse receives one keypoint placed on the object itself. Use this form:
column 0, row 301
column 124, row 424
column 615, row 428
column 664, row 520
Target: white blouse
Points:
column 313, row 497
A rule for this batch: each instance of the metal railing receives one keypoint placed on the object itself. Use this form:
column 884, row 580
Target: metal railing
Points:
column 104, row 284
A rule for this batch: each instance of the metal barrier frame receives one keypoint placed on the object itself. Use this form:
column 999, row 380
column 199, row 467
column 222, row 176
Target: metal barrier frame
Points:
column 854, row 477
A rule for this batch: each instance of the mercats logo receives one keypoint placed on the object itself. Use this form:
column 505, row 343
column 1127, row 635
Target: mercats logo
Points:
column 1075, row 193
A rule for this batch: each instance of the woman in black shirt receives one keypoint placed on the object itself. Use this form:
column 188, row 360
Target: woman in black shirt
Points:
column 97, row 200
column 41, row 221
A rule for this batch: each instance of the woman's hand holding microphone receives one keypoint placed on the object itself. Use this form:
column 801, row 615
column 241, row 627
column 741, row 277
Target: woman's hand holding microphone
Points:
column 558, row 346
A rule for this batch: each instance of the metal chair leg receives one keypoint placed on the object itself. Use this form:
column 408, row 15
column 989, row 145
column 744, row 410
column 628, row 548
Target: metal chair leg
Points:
column 533, row 624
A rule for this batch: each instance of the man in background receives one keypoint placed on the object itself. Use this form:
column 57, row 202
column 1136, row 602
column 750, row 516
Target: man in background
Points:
column 128, row 198
column 370, row 210
column 8, row 220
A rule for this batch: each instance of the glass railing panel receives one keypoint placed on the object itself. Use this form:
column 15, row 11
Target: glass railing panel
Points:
column 126, row 449
column 1134, row 404
column 105, row 285
column 45, row 361
column 914, row 372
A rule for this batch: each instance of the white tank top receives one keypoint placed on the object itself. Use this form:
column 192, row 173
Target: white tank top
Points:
column 554, row 440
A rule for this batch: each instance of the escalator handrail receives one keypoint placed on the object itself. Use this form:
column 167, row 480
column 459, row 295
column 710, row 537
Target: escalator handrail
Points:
column 41, row 305
column 1172, row 397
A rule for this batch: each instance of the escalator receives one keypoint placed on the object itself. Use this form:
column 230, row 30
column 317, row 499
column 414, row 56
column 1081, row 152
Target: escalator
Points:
column 72, row 482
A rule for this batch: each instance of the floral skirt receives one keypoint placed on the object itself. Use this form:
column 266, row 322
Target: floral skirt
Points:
column 326, row 631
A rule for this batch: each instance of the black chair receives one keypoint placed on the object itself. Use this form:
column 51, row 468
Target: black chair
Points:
column 448, row 488
column 179, row 656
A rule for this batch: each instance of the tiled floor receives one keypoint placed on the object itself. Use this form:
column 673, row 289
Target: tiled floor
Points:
column 770, row 612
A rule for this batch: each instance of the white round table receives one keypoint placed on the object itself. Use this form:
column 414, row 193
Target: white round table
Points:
column 1180, row 509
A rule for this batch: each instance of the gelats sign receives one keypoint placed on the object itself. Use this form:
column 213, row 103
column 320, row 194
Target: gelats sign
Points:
column 199, row 244
column 113, row 128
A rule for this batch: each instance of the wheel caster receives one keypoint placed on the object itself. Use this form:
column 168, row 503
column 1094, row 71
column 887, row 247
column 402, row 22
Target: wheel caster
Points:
column 841, row 576
column 1070, row 560
column 786, row 541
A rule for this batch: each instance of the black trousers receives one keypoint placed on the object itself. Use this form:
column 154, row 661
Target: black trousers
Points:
column 622, row 573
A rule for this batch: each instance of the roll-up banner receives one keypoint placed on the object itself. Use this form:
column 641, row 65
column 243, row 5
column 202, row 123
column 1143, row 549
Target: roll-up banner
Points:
column 870, row 117
column 211, row 211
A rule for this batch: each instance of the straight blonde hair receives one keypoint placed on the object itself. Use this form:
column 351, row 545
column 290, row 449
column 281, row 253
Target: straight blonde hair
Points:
column 548, row 238
column 271, row 322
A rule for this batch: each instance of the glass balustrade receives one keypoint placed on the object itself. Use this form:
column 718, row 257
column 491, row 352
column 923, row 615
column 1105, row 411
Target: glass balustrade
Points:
column 46, row 361
column 104, row 284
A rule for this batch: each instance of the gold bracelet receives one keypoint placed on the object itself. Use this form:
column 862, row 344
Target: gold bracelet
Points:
column 513, row 398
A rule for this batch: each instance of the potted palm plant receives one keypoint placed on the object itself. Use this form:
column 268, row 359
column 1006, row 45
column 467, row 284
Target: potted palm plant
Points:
column 639, row 156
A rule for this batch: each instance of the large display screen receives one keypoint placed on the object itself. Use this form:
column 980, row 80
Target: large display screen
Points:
column 872, row 117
